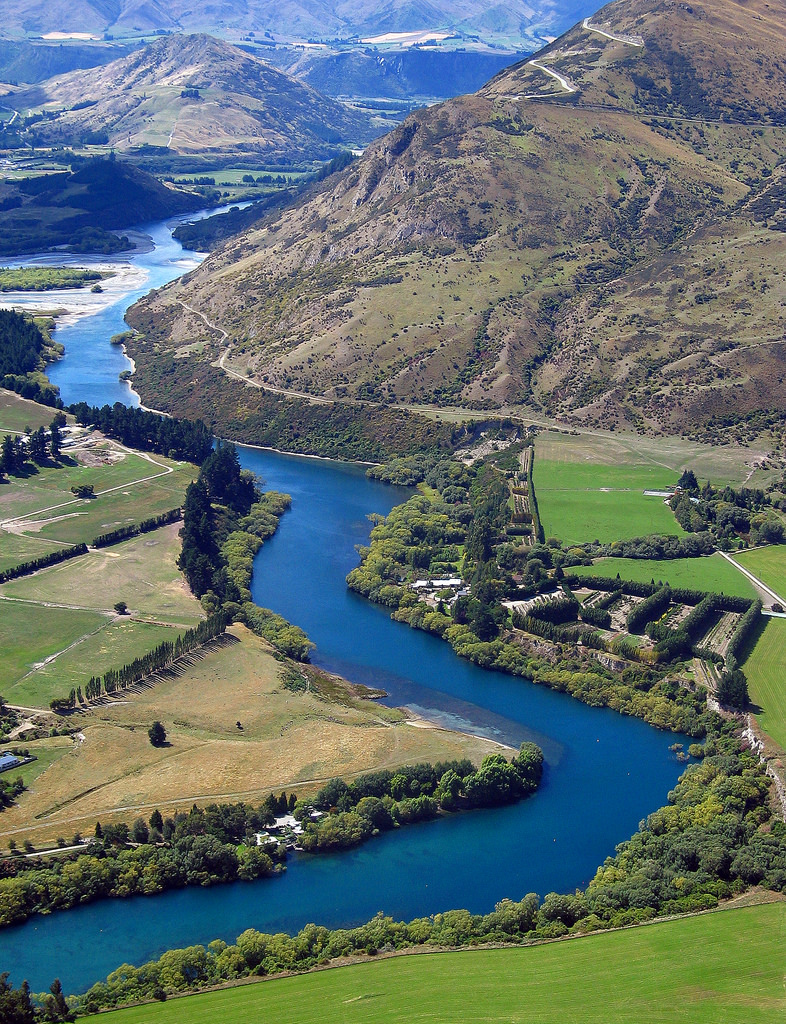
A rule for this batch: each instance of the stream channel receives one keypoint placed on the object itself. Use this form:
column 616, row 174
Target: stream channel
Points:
column 604, row 772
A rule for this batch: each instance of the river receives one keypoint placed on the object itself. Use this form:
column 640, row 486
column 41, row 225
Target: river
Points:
column 604, row 772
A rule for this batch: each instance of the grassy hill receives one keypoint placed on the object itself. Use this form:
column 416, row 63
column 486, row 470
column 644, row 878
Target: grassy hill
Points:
column 723, row 966
column 582, row 247
column 194, row 94
column 80, row 208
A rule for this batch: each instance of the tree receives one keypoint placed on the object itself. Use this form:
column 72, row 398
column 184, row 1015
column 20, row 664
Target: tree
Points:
column 16, row 1006
column 156, row 822
column 37, row 445
column 140, row 833
column 733, row 689
column 120, row 607
column 157, row 734
column 55, row 1007
column 83, row 490
column 55, row 439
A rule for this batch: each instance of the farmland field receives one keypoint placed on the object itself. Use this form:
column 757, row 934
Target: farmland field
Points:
column 287, row 738
column 581, row 502
column 51, row 511
column 708, row 573
column 29, row 638
column 728, row 464
column 764, row 667
column 111, row 643
column 726, row 966
column 141, row 571
column 16, row 414
column 769, row 564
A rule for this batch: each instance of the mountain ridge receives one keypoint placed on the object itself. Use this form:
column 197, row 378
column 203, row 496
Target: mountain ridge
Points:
column 450, row 264
column 512, row 21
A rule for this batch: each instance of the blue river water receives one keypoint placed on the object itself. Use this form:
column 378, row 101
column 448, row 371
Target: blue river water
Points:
column 604, row 772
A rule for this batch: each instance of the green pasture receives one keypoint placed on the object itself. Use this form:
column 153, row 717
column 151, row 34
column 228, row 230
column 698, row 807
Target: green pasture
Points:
column 711, row 572
column 769, row 564
column 582, row 500
column 123, row 496
column 16, row 414
column 764, row 667
column 720, row 967
column 729, row 464
column 16, row 548
column 141, row 571
column 116, row 644
column 28, row 635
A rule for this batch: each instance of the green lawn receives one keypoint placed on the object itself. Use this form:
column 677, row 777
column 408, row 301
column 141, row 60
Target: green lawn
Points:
column 765, row 669
column 722, row 967
column 769, row 564
column 708, row 573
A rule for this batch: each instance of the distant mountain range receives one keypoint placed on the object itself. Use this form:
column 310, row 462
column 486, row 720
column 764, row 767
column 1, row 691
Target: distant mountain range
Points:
column 514, row 22
column 598, row 234
column 194, row 94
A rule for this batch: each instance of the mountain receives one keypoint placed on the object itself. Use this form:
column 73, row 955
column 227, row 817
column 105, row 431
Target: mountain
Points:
column 401, row 74
column 516, row 22
column 194, row 94
column 597, row 234
column 80, row 209
column 35, row 62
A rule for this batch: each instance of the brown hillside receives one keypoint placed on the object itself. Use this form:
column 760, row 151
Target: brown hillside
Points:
column 471, row 255
column 195, row 94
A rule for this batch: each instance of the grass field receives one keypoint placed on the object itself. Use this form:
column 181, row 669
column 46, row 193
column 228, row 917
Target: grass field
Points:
column 709, row 573
column 141, row 571
column 721, row 967
column 769, row 564
column 764, row 667
column 17, row 547
column 582, row 500
column 28, row 637
column 117, row 643
column 48, row 509
column 728, row 464
column 16, row 414
column 288, row 739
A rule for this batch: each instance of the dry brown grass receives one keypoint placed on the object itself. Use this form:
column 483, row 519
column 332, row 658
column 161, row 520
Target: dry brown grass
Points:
column 289, row 740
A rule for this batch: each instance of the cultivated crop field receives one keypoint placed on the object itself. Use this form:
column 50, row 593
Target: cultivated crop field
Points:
column 764, row 668
column 726, row 966
column 287, row 738
column 712, row 573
